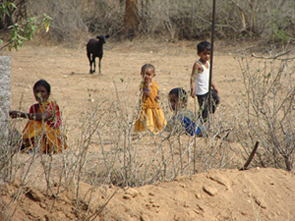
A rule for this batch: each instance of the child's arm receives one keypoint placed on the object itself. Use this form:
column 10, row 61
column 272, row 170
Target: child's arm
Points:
column 214, row 87
column 31, row 116
column 158, row 97
column 197, row 68
column 147, row 87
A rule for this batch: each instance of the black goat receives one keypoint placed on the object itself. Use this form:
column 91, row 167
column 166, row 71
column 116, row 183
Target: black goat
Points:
column 95, row 48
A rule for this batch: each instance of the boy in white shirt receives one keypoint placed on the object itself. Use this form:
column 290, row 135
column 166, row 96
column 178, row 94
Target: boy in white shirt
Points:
column 200, row 80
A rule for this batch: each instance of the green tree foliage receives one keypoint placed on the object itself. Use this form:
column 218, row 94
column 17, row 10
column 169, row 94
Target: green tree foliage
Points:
column 19, row 32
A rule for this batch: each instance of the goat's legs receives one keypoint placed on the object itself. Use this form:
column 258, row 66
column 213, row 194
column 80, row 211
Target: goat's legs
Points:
column 90, row 58
column 99, row 65
column 94, row 64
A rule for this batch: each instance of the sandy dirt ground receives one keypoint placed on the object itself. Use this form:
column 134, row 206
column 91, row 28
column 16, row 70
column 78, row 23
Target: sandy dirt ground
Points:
column 256, row 194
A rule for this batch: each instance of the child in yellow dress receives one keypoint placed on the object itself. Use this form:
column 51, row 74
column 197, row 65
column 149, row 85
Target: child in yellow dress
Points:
column 151, row 116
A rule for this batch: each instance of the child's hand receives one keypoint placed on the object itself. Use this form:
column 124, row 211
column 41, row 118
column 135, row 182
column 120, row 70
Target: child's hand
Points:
column 14, row 114
column 158, row 97
column 216, row 90
column 148, row 82
column 193, row 92
column 214, row 87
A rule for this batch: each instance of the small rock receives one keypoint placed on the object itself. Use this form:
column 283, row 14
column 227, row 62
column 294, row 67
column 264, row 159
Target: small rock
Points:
column 182, row 185
column 43, row 205
column 258, row 202
column 180, row 178
column 151, row 194
column 198, row 196
column 244, row 213
column 68, row 215
column 212, row 191
column 34, row 194
column 49, row 217
column 196, row 211
column 132, row 192
column 127, row 197
column 58, row 208
column 17, row 183
column 144, row 217
column 185, row 205
column 200, row 207
column 220, row 180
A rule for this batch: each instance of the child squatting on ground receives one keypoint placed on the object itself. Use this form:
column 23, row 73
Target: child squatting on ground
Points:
column 200, row 80
column 43, row 128
column 151, row 116
column 183, row 121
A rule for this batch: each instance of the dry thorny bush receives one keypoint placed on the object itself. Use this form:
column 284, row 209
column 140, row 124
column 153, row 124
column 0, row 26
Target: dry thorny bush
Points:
column 267, row 107
column 108, row 151
column 130, row 159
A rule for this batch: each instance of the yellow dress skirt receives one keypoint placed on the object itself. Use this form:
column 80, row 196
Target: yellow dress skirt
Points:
column 37, row 134
column 150, row 119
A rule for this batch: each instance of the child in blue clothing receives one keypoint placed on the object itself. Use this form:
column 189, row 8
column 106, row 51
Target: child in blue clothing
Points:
column 183, row 121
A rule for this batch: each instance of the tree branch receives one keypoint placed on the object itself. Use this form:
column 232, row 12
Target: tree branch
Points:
column 276, row 56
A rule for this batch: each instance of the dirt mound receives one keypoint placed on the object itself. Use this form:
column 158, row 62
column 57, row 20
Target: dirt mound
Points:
column 256, row 194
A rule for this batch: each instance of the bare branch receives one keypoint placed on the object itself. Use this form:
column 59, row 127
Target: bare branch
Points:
column 276, row 56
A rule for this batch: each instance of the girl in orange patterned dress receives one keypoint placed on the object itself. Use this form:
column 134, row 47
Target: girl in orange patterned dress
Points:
column 151, row 116
column 43, row 128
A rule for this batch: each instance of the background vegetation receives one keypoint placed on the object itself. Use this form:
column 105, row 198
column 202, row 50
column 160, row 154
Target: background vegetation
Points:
column 236, row 20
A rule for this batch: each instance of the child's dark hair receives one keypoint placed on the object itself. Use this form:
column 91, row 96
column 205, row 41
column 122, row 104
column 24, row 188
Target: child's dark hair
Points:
column 147, row 66
column 203, row 45
column 180, row 93
column 44, row 84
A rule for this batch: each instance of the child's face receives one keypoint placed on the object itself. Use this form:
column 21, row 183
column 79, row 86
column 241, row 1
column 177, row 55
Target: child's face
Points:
column 41, row 94
column 205, row 55
column 175, row 103
column 148, row 74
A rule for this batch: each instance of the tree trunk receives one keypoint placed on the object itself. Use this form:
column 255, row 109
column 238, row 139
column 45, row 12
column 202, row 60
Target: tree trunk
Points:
column 130, row 18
